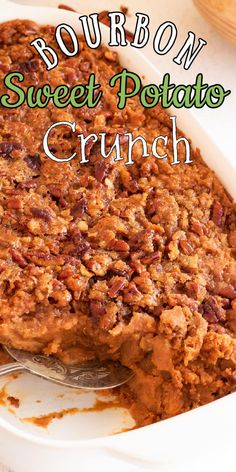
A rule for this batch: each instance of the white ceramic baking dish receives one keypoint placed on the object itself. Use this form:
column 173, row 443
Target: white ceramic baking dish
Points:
column 203, row 439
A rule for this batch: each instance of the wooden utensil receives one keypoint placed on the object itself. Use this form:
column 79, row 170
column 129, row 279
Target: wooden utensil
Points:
column 221, row 14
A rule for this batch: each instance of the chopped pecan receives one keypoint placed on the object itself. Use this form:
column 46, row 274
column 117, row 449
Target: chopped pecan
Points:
column 56, row 190
column 28, row 184
column 211, row 310
column 217, row 213
column 136, row 266
column 141, row 239
column 131, row 294
column 43, row 214
column 44, row 259
column 100, row 170
column 80, row 207
column 117, row 284
column 65, row 273
column 33, row 162
column 129, row 182
column 197, row 227
column 192, row 289
column 96, row 309
column 13, row 203
column 84, row 66
column 119, row 245
column 6, row 148
column 232, row 239
column 82, row 246
column 29, row 66
column 18, row 258
column 150, row 259
column 225, row 290
column 186, row 247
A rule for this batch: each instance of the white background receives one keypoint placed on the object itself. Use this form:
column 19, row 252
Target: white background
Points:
column 217, row 60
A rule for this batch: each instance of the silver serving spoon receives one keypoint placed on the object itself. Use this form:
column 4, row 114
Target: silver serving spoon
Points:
column 91, row 375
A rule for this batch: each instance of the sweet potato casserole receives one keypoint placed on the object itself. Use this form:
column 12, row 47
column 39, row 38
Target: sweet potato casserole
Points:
column 135, row 263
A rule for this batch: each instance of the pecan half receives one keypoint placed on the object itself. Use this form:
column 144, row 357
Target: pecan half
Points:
column 41, row 213
column 18, row 258
column 217, row 213
column 44, row 259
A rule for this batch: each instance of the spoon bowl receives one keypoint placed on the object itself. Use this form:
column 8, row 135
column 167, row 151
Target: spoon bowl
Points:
column 91, row 375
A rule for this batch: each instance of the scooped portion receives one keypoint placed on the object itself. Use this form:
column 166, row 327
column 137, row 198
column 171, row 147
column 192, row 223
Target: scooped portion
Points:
column 103, row 260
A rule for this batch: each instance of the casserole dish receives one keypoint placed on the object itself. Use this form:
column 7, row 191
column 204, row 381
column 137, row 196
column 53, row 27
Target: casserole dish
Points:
column 65, row 442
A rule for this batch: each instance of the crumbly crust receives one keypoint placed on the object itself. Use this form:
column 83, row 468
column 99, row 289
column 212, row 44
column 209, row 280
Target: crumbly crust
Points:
column 135, row 263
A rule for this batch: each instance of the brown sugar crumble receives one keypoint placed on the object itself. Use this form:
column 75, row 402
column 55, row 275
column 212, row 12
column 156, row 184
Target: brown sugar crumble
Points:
column 103, row 260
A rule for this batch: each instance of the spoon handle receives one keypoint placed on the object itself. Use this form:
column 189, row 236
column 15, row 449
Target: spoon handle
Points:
column 9, row 368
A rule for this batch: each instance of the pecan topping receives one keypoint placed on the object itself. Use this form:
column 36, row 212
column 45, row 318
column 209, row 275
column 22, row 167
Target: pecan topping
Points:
column 44, row 259
column 29, row 66
column 33, row 162
column 186, row 247
column 42, row 214
column 13, row 203
column 18, row 258
column 141, row 239
column 225, row 290
column 150, row 259
column 100, row 170
column 217, row 213
column 28, row 184
column 197, row 227
column 119, row 245
column 56, row 190
column 232, row 239
column 81, row 247
column 118, row 283
column 6, row 148
column 65, row 273
column 96, row 309
column 212, row 312
column 80, row 207
column 131, row 294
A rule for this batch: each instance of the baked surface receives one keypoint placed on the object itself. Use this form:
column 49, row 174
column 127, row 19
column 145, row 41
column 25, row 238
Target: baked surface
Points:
column 135, row 263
